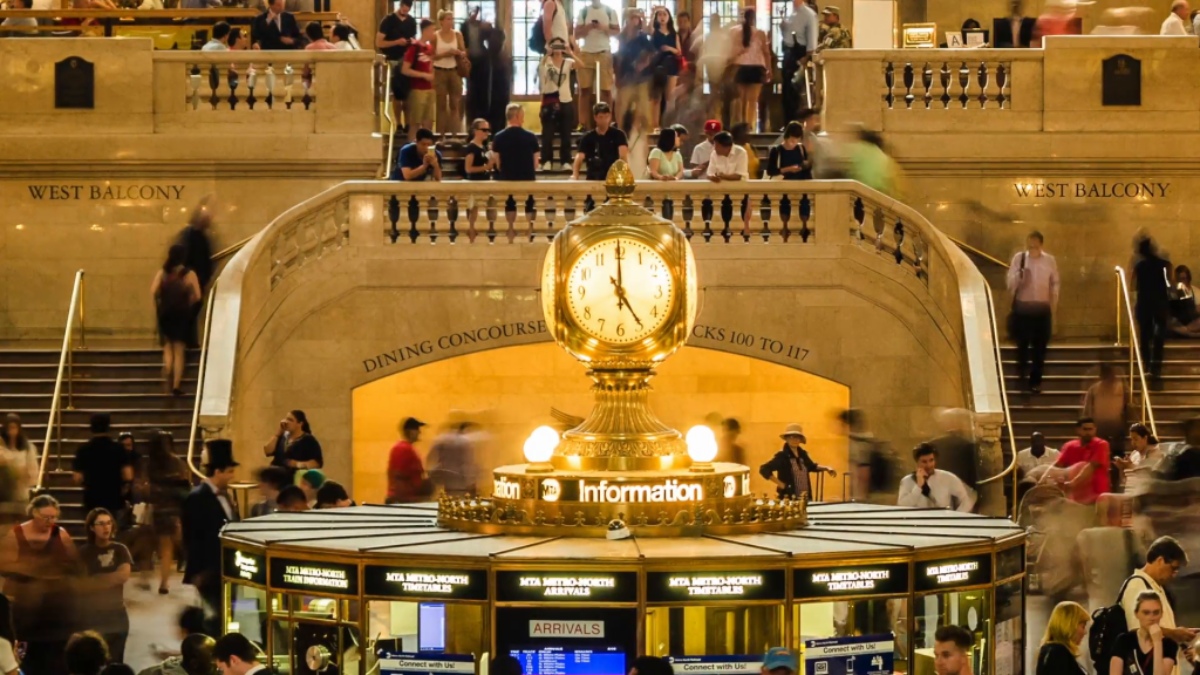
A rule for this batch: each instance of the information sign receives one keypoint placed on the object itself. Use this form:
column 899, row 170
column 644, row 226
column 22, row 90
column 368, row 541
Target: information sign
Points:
column 933, row 575
column 392, row 663
column 860, row 655
column 832, row 582
column 319, row 577
column 706, row 587
column 417, row 582
column 245, row 566
column 716, row 665
column 566, row 586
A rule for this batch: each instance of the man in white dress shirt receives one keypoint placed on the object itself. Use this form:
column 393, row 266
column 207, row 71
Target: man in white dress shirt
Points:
column 932, row 489
column 1177, row 22
column 236, row 655
column 728, row 161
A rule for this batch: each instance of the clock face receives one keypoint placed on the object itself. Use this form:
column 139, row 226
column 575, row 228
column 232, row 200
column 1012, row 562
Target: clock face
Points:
column 620, row 291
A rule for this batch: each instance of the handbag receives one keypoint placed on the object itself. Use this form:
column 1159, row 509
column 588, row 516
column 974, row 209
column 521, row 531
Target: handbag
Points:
column 462, row 65
column 552, row 103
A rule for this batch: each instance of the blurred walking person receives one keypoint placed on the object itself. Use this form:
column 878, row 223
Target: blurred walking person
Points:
column 558, row 109
column 197, row 244
column 176, row 292
column 1034, row 282
column 449, row 48
column 1106, row 402
column 38, row 558
column 168, row 482
column 452, row 465
column 101, row 467
column 20, row 455
column 108, row 566
column 1151, row 280
column 8, row 639
column 668, row 62
column 752, row 60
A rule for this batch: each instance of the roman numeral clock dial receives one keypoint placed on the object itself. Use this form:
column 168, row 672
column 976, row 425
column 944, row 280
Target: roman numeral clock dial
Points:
column 620, row 291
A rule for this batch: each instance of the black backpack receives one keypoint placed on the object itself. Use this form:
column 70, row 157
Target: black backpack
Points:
column 1108, row 623
column 537, row 37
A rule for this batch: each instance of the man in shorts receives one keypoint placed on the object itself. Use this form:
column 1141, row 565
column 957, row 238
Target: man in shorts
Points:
column 595, row 29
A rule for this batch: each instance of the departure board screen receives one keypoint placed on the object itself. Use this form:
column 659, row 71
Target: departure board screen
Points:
column 567, row 661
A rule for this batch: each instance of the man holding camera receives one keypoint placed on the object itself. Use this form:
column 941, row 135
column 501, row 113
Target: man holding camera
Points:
column 600, row 147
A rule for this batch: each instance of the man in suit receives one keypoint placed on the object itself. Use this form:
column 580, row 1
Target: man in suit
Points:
column 276, row 28
column 205, row 511
column 1015, row 30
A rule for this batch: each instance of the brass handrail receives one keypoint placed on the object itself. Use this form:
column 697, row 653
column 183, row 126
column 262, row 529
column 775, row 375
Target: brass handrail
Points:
column 191, row 448
column 387, row 115
column 1135, row 350
column 1012, row 436
column 982, row 254
column 234, row 248
column 64, row 358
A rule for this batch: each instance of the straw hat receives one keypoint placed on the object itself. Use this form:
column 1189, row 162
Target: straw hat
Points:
column 794, row 430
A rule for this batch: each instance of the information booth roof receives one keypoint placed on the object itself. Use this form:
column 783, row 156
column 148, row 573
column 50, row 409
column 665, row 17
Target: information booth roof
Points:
column 834, row 530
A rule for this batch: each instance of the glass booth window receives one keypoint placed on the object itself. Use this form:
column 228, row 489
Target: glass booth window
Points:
column 970, row 609
column 710, row 631
column 435, row 627
column 1010, row 628
column 248, row 613
column 856, row 618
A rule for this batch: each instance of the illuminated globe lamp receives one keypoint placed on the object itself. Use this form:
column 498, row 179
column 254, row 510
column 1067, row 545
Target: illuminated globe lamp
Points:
column 702, row 448
column 619, row 293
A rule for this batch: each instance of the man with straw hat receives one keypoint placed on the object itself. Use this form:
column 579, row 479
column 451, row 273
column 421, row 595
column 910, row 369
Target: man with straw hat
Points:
column 789, row 469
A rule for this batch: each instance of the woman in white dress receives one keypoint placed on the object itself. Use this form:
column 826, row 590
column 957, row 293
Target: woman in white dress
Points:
column 19, row 455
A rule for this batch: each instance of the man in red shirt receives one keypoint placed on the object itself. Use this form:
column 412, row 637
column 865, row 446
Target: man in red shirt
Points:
column 405, row 472
column 1082, row 466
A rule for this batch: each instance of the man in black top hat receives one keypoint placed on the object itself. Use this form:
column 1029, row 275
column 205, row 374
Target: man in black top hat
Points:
column 205, row 511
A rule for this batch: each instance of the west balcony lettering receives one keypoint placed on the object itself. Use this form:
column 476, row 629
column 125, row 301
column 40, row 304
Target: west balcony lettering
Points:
column 1087, row 190
column 107, row 192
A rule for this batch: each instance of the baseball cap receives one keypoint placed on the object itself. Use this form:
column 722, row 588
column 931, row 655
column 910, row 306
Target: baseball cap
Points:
column 412, row 423
column 712, row 126
column 831, row 9
column 780, row 657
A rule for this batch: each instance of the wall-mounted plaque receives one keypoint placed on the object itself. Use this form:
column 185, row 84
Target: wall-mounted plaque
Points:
column 832, row 582
column 934, row 575
column 316, row 577
column 566, row 586
column 415, row 582
column 75, row 83
column 685, row 587
column 1121, row 80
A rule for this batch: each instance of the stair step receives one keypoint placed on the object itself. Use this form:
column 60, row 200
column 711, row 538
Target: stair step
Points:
column 91, row 386
column 86, row 370
column 82, row 401
column 87, row 356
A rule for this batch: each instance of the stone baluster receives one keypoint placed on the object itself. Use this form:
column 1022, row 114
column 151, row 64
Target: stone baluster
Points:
column 194, row 83
column 251, row 83
column 306, row 80
column 491, row 218
column 588, row 204
column 898, row 235
column 569, row 210
column 510, row 215
column 1002, row 97
column 805, row 216
column 551, row 210
column 289, row 77
column 414, row 214
column 920, row 254
column 927, row 84
column 531, row 215
column 908, row 86
column 860, row 218
column 878, row 226
column 785, row 216
column 214, row 83
column 668, row 209
column 472, row 216
column 964, row 83
column 433, row 219
column 889, row 83
column 983, row 79
column 766, row 212
column 706, row 214
column 689, row 212
column 232, row 79
column 726, row 217
column 944, row 79
column 452, row 216
column 747, row 213
column 393, row 214
column 270, row 86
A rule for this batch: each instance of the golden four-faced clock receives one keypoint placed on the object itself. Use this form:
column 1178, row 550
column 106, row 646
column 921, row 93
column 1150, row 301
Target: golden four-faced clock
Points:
column 619, row 285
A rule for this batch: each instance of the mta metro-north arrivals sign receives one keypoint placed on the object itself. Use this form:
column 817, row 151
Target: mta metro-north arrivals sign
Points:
column 566, row 586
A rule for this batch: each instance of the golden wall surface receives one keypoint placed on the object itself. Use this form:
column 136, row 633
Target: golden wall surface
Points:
column 510, row 391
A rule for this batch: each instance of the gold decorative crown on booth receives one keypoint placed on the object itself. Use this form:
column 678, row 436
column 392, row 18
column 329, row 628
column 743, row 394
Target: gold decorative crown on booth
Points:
column 619, row 292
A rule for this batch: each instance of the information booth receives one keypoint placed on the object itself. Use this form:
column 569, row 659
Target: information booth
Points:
column 346, row 590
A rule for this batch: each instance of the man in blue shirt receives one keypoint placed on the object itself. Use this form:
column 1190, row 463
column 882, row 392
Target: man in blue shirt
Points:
column 799, row 33
column 419, row 160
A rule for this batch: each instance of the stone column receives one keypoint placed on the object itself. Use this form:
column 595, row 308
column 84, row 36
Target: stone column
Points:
column 988, row 428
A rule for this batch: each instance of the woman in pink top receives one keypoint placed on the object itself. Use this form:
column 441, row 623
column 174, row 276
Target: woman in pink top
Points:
column 316, row 37
column 751, row 61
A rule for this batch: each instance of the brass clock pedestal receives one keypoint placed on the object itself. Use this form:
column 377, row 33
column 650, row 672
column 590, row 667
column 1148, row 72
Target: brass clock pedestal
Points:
column 619, row 293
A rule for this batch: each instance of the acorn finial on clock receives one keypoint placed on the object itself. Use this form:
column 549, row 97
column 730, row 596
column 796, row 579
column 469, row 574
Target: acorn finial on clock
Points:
column 619, row 184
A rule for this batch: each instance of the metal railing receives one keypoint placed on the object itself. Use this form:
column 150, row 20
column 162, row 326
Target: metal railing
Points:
column 1135, row 349
column 1012, row 436
column 191, row 448
column 386, row 170
column 66, row 362
column 974, row 251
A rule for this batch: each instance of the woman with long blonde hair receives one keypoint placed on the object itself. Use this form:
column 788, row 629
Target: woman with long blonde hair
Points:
column 1060, row 646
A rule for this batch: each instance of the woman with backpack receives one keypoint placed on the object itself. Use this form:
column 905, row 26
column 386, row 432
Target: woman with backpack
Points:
column 175, row 290
column 1060, row 647
column 1145, row 650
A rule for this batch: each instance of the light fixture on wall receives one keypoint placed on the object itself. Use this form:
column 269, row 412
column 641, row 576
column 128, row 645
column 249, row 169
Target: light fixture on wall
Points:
column 701, row 447
column 539, row 447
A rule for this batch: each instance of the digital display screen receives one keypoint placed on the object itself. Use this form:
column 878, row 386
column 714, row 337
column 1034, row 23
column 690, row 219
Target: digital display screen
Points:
column 431, row 627
column 565, row 661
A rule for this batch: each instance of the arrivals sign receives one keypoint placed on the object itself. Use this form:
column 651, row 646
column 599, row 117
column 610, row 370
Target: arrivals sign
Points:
column 936, row 575
column 415, row 582
column 586, row 629
column 830, row 582
column 706, row 587
column 245, row 566
column 319, row 577
column 566, row 587
column 859, row 655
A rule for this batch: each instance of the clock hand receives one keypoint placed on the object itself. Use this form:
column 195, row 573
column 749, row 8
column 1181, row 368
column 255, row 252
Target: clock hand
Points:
column 620, row 293
column 619, row 256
